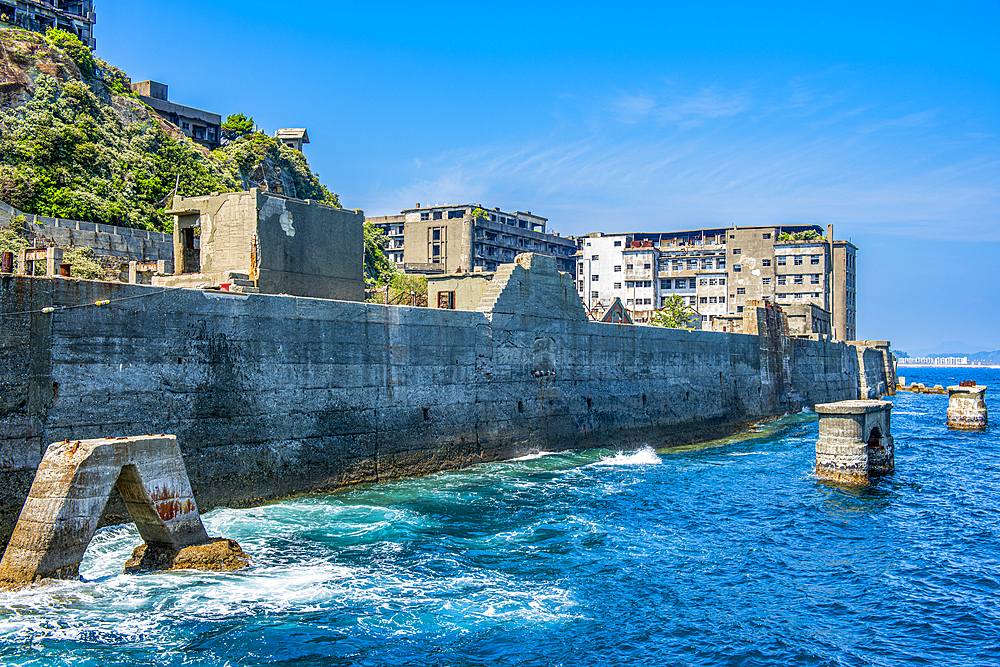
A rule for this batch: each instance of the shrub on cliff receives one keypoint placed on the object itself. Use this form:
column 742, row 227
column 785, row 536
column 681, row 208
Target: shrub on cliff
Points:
column 264, row 162
column 68, row 154
column 74, row 48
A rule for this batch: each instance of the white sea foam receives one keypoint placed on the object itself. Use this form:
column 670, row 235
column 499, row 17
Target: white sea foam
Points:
column 532, row 457
column 644, row 457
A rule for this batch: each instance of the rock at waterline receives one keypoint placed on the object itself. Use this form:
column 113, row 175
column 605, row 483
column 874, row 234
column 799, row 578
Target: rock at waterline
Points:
column 219, row 555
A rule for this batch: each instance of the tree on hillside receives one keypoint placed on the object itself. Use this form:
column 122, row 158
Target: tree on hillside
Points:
column 237, row 126
column 378, row 269
column 675, row 314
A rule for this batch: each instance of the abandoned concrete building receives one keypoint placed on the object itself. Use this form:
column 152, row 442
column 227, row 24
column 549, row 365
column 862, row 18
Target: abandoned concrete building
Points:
column 293, row 137
column 717, row 271
column 75, row 16
column 203, row 127
column 256, row 241
column 469, row 237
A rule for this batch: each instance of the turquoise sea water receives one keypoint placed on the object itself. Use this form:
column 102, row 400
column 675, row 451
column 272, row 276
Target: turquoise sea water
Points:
column 728, row 555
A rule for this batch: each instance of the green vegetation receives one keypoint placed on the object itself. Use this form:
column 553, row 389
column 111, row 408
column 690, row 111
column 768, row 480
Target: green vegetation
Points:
column 808, row 235
column 403, row 289
column 675, row 314
column 379, row 271
column 83, row 264
column 14, row 236
column 237, row 126
column 86, row 148
column 73, row 48
column 478, row 213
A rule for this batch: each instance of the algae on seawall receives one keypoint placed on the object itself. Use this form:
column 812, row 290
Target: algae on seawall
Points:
column 762, row 430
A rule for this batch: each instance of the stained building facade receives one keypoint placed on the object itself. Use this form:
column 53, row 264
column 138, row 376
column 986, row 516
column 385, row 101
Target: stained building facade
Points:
column 468, row 238
column 716, row 271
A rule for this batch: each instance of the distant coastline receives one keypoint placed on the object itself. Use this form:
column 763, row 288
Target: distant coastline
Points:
column 900, row 364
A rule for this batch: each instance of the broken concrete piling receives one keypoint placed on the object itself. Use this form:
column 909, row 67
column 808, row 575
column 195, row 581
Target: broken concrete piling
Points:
column 68, row 495
column 855, row 443
column 967, row 406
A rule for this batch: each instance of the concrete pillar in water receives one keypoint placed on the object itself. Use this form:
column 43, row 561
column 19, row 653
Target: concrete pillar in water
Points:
column 967, row 406
column 855, row 442
column 68, row 495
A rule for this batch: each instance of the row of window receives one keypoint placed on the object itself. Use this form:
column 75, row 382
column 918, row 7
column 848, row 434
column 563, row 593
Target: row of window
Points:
column 438, row 215
column 648, row 302
column 666, row 283
column 782, row 260
column 796, row 280
column 691, row 264
column 712, row 299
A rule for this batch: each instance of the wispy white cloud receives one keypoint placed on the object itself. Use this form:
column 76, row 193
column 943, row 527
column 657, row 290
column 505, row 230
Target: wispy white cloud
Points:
column 674, row 107
column 718, row 156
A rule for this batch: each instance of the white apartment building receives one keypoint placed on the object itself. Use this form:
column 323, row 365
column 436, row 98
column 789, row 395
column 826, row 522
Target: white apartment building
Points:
column 717, row 271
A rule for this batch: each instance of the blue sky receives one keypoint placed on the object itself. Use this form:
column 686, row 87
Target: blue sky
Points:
column 880, row 118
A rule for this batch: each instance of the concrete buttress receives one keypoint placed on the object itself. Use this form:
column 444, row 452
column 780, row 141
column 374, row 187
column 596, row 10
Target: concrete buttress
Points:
column 967, row 407
column 71, row 488
column 855, row 441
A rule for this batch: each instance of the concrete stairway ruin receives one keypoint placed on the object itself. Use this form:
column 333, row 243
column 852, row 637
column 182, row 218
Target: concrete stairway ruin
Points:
column 68, row 495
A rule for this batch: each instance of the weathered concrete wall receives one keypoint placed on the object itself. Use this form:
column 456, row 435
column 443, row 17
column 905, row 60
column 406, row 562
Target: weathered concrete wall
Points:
column 109, row 240
column 468, row 288
column 271, row 396
column 304, row 248
column 855, row 441
column 875, row 380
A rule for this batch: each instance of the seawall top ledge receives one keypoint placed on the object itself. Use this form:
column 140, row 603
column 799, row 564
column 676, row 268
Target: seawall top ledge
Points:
column 975, row 389
column 860, row 407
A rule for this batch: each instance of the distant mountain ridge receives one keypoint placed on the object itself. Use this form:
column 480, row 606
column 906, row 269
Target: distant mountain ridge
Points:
column 951, row 348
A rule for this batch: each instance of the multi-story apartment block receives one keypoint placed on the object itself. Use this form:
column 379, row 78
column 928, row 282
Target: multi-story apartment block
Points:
column 716, row 271
column 468, row 237
column 844, row 288
column 75, row 16
column 394, row 227
column 203, row 127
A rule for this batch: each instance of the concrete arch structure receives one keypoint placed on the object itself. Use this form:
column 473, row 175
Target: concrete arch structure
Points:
column 71, row 488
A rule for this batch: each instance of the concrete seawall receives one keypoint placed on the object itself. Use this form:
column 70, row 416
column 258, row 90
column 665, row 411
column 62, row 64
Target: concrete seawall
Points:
column 271, row 396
